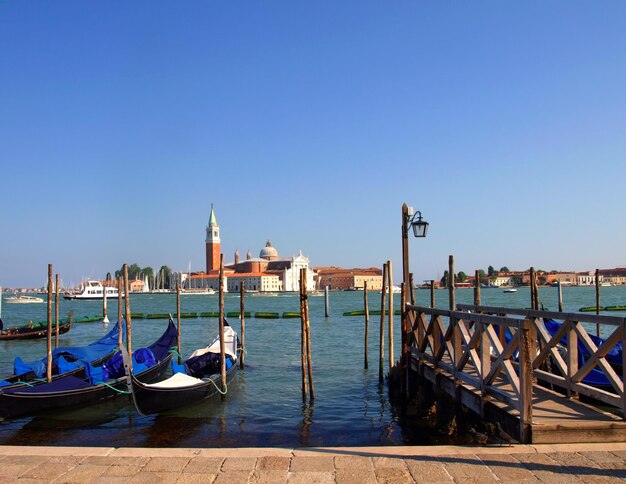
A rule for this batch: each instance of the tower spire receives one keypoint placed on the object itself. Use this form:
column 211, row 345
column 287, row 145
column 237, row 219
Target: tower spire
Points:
column 212, row 243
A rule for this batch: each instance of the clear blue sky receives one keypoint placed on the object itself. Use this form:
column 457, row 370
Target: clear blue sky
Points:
column 310, row 123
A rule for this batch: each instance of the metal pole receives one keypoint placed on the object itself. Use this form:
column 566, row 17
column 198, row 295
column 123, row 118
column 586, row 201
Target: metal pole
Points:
column 49, row 339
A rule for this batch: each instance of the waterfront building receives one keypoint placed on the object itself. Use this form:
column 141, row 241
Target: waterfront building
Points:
column 344, row 279
column 267, row 273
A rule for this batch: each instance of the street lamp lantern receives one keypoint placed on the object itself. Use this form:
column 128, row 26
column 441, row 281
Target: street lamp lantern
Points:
column 420, row 226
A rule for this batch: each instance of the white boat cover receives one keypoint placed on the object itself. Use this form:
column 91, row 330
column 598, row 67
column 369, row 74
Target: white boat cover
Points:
column 176, row 381
column 230, row 343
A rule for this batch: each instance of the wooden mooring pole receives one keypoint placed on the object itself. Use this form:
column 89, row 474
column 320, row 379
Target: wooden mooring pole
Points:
column 477, row 288
column 309, row 350
column 432, row 293
column 598, row 300
column 222, row 345
column 129, row 345
column 412, row 289
column 390, row 286
column 56, row 311
column 178, row 331
column 367, row 324
column 451, row 287
column 242, row 313
column 381, row 341
column 326, row 302
column 105, row 318
column 560, row 295
column 49, row 339
column 533, row 288
column 120, row 291
column 303, row 348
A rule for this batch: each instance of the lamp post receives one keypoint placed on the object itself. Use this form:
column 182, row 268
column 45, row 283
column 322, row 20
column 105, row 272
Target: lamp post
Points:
column 420, row 228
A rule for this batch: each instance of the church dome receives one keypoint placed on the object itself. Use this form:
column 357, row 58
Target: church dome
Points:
column 268, row 252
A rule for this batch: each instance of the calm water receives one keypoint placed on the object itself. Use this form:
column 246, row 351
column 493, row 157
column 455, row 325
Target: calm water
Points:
column 264, row 405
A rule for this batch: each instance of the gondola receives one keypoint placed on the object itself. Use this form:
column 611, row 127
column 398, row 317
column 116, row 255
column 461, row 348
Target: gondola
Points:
column 101, row 382
column 63, row 359
column 37, row 330
column 199, row 377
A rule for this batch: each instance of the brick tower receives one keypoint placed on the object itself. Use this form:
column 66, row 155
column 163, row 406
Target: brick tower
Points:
column 212, row 244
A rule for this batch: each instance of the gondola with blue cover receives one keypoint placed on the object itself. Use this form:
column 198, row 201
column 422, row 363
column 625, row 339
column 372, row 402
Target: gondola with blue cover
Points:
column 198, row 378
column 99, row 383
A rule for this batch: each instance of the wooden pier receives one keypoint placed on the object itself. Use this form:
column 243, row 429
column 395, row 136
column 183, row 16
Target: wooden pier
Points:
column 504, row 364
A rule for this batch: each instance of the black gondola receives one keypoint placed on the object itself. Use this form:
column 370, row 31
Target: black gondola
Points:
column 38, row 330
column 199, row 377
column 102, row 382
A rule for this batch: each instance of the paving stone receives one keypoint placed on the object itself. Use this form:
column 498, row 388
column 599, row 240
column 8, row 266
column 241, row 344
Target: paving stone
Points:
column 239, row 464
column 29, row 460
column 507, row 468
column 153, row 477
column 209, row 465
column 47, row 470
column 427, row 469
column 311, row 477
column 468, row 468
column 166, row 464
column 393, row 475
column 122, row 471
column 269, row 476
column 354, row 461
column 605, row 460
column 353, row 475
column 620, row 453
column 109, row 480
column 83, row 473
column 14, row 470
column 66, row 459
column 312, row 464
column 233, row 477
column 545, row 468
column 273, row 463
column 382, row 462
column 196, row 478
column 116, row 461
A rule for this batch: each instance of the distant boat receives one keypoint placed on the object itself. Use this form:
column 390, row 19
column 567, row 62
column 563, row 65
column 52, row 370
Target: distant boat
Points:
column 146, row 285
column 93, row 290
column 31, row 331
column 197, row 292
column 23, row 299
column 510, row 289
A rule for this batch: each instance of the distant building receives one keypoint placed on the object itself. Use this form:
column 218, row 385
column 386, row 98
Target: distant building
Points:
column 266, row 273
column 342, row 279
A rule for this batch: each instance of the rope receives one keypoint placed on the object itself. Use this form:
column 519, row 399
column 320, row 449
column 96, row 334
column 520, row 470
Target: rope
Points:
column 123, row 392
column 217, row 388
column 174, row 351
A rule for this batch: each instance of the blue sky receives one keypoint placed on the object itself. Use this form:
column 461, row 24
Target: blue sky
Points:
column 309, row 124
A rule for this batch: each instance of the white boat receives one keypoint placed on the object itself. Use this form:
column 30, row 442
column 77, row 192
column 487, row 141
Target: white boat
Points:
column 93, row 290
column 510, row 289
column 23, row 299
column 197, row 292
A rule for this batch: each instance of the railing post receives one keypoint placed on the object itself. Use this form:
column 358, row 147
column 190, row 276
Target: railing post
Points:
column 485, row 362
column 525, row 378
column 572, row 356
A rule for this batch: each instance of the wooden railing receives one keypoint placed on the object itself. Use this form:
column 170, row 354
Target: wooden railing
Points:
column 494, row 353
column 557, row 360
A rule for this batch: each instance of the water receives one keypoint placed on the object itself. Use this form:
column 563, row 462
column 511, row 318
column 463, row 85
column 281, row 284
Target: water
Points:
column 264, row 404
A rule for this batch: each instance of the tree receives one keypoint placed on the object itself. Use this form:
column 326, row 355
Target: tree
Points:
column 516, row 279
column 108, row 276
column 504, row 269
column 461, row 277
column 444, row 279
column 491, row 271
column 164, row 276
column 481, row 276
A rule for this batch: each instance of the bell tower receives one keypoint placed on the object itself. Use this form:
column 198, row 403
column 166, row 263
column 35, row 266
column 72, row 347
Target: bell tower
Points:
column 212, row 244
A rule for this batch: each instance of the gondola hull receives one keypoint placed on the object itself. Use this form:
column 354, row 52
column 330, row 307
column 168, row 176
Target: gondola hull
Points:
column 31, row 333
column 151, row 400
column 26, row 402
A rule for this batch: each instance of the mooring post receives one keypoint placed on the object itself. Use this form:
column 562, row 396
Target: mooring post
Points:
column 390, row 286
column 180, row 358
column 129, row 345
column 242, row 314
column 526, row 381
column 560, row 295
column 367, row 324
column 598, row 300
column 432, row 293
column 477, row 288
column 105, row 318
column 303, row 341
column 222, row 345
column 381, row 340
column 451, row 288
column 120, row 291
column 326, row 302
column 412, row 289
column 309, row 348
column 407, row 285
column 56, row 311
column 532, row 288
column 49, row 339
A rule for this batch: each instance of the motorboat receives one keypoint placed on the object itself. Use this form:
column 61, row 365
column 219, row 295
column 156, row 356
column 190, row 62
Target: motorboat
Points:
column 23, row 299
column 93, row 290
column 509, row 289
column 197, row 292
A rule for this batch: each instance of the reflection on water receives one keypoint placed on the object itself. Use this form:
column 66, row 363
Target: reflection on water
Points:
column 263, row 406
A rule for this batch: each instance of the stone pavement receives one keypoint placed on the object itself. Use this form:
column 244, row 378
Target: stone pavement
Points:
column 567, row 463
